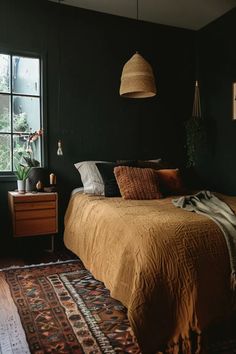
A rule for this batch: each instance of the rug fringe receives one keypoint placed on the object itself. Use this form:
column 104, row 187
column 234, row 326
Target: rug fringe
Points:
column 90, row 319
column 38, row 265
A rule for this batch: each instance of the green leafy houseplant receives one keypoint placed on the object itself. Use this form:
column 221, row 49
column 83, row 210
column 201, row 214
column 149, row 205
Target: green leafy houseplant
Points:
column 22, row 172
column 195, row 131
column 195, row 139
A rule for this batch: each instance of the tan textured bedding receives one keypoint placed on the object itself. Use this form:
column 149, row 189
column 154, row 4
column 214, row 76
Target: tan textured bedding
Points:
column 169, row 267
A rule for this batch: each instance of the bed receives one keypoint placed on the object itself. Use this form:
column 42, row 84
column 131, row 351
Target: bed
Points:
column 168, row 266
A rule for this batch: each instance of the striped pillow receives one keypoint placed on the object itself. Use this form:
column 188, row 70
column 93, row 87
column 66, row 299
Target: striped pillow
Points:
column 137, row 183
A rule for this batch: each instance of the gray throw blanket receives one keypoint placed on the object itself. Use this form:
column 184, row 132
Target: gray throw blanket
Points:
column 208, row 204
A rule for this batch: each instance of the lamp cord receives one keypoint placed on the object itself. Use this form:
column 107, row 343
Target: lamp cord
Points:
column 59, row 72
column 137, row 8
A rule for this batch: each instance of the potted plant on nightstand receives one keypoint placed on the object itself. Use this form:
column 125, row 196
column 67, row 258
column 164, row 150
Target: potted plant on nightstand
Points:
column 36, row 173
column 22, row 173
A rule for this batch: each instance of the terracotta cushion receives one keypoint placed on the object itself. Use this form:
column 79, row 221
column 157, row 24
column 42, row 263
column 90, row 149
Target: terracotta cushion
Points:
column 137, row 183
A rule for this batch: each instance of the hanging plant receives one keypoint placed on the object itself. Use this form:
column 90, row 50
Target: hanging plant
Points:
column 195, row 130
column 195, row 138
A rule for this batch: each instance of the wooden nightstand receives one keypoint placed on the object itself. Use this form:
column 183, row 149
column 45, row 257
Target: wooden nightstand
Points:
column 34, row 214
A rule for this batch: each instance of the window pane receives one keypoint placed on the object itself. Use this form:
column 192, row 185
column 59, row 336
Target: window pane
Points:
column 22, row 147
column 25, row 75
column 5, row 153
column 5, row 113
column 19, row 147
column 4, row 73
column 20, row 110
column 26, row 114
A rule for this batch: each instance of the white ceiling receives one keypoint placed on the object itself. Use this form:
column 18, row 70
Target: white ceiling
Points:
column 191, row 14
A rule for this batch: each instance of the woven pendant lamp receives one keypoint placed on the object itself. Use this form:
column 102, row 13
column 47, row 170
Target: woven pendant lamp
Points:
column 137, row 79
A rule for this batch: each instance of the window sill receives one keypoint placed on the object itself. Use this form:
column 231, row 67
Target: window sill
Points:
column 7, row 178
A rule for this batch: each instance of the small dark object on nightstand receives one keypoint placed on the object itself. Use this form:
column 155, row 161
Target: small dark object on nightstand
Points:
column 50, row 189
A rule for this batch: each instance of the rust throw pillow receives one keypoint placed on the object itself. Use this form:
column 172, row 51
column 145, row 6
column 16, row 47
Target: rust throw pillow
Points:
column 137, row 183
column 170, row 181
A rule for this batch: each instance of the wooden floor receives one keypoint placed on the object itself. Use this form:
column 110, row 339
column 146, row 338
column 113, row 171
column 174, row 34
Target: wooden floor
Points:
column 27, row 251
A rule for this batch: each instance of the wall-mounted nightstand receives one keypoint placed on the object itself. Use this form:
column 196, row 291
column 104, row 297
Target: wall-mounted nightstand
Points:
column 34, row 214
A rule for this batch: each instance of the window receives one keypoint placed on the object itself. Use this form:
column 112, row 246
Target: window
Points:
column 20, row 110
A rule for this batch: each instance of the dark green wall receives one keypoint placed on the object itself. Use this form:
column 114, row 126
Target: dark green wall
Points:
column 217, row 66
column 94, row 122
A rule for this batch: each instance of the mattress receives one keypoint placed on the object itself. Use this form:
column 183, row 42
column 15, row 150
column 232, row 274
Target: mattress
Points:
column 168, row 266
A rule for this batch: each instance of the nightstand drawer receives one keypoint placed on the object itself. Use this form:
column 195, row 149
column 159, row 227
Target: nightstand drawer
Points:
column 35, row 214
column 35, row 227
column 38, row 197
column 34, row 206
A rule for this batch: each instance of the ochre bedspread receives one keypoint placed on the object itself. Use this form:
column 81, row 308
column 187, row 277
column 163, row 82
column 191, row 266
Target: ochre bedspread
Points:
column 168, row 266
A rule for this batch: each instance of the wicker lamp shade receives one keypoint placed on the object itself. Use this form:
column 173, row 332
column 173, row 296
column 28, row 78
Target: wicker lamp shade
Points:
column 137, row 79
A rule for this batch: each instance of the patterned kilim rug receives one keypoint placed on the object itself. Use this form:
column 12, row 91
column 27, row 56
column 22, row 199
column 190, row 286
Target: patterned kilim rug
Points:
column 63, row 309
column 60, row 308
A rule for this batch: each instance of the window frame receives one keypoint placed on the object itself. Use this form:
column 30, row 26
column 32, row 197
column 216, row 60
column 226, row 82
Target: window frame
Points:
column 10, row 175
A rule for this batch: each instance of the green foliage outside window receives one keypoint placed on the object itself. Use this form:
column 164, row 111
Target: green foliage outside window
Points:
column 4, row 120
column 20, row 122
column 19, row 113
column 20, row 125
column 5, row 162
column 4, row 81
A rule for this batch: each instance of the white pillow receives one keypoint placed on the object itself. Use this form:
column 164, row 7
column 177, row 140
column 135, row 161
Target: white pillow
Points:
column 90, row 177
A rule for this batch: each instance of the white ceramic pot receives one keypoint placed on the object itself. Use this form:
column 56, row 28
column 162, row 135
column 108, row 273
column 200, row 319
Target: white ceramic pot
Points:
column 27, row 186
column 21, row 186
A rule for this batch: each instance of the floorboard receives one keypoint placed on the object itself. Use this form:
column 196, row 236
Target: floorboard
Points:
column 26, row 251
